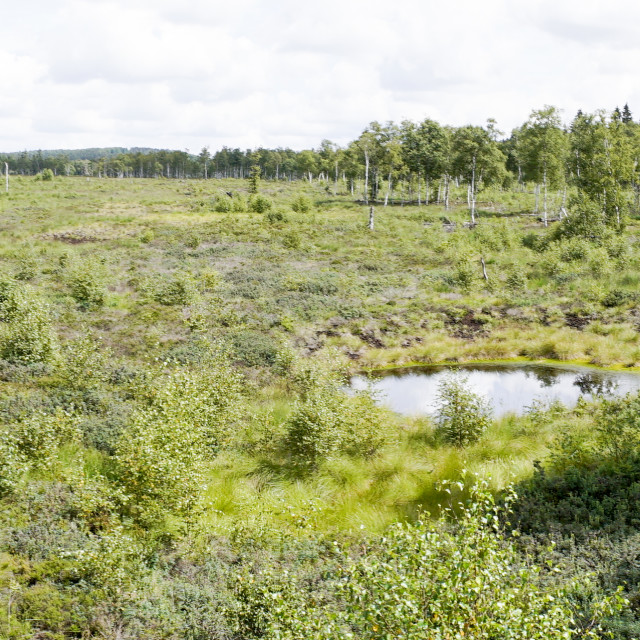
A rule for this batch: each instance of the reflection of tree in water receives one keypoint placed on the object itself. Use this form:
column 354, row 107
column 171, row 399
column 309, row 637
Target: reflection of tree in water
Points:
column 546, row 376
column 594, row 384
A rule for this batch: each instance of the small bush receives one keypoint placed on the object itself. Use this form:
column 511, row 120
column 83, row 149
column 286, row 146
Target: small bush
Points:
column 465, row 275
column 186, row 417
column 516, row 280
column 192, row 241
column 26, row 333
column 255, row 349
column 147, row 236
column 47, row 175
column 276, row 215
column 260, row 204
column 462, row 416
column 301, row 204
column 178, row 289
column 327, row 421
column 292, row 240
column 87, row 282
column 616, row 297
column 223, row 204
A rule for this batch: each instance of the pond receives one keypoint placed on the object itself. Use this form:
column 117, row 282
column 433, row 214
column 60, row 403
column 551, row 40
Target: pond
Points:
column 509, row 388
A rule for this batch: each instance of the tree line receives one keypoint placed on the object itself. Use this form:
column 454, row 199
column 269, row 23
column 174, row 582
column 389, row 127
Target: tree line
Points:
column 412, row 161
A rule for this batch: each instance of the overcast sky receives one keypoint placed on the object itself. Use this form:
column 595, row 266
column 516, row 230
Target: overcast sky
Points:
column 182, row 75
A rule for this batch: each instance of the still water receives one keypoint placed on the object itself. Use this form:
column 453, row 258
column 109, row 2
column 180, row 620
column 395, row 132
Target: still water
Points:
column 509, row 388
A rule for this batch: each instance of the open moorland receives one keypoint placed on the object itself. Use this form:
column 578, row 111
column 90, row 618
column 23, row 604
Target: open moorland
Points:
column 179, row 457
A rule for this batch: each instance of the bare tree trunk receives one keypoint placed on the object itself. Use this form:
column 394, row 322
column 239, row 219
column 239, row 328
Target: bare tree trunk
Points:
column 371, row 210
column 447, row 182
column 484, row 269
column 426, row 195
column 366, row 177
column 419, row 201
column 439, row 199
column 6, row 177
column 544, row 182
column 386, row 197
column 473, row 192
column 335, row 184
column 536, row 191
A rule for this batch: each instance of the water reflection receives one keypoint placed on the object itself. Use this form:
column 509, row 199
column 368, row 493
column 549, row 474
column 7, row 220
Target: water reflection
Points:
column 509, row 388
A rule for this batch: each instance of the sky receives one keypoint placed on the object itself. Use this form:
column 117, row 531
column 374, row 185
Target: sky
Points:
column 249, row 73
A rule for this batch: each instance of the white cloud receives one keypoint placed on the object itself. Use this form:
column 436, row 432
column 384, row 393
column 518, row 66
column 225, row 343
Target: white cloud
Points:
column 248, row 73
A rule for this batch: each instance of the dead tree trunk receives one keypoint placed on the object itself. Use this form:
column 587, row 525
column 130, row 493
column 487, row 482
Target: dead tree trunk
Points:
column 484, row 269
column 6, row 177
column 371, row 210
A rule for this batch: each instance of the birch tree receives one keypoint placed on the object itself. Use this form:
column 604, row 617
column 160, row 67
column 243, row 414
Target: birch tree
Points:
column 602, row 164
column 478, row 159
column 542, row 151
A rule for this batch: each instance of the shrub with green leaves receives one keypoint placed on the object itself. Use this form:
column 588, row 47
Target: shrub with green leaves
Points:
column 430, row 579
column 177, row 289
column 87, row 281
column 465, row 275
column 39, row 436
column 185, row 418
column 223, row 204
column 326, row 421
column 462, row 416
column 260, row 204
column 460, row 576
column 516, row 280
column 301, row 204
column 26, row 332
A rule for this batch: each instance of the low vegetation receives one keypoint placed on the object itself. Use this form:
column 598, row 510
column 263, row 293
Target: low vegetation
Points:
column 179, row 457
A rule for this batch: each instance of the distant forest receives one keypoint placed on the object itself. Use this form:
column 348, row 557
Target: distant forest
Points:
column 421, row 157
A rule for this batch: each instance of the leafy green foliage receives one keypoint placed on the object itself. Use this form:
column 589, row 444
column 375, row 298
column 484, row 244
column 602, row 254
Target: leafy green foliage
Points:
column 327, row 421
column 462, row 416
column 87, row 282
column 176, row 289
column 187, row 417
column 301, row 204
column 260, row 204
column 427, row 580
column 26, row 333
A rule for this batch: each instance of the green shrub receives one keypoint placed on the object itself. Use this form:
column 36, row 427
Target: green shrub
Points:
column 462, row 416
column 27, row 265
column 255, row 348
column 516, row 280
column 178, row 289
column 327, row 421
column 186, row 418
column 238, row 203
column 87, row 282
column 465, row 275
column 260, row 204
column 616, row 297
column 26, row 333
column 147, row 236
column 292, row 240
column 223, row 204
column 47, row 175
column 433, row 580
column 276, row 215
column 301, row 204
column 193, row 240
column 38, row 436
column 12, row 462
